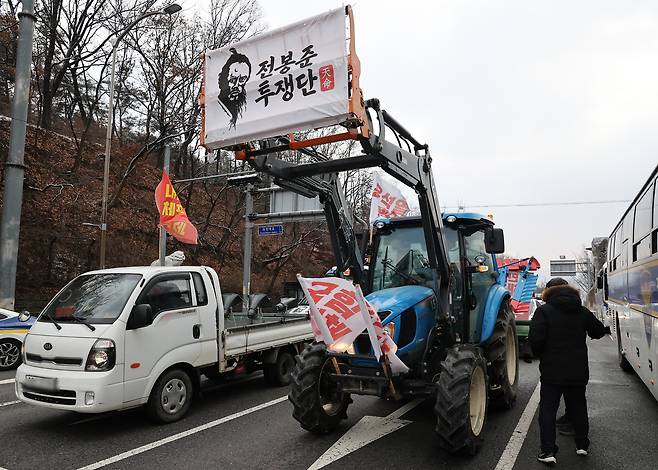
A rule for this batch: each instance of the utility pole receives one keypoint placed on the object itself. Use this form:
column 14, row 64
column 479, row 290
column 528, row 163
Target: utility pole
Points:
column 248, row 229
column 15, row 167
column 163, row 232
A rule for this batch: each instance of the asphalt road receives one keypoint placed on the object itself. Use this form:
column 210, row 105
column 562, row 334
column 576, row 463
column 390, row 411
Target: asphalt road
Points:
column 224, row 430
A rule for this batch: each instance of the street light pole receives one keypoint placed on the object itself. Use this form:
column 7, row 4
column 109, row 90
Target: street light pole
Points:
column 15, row 167
column 169, row 10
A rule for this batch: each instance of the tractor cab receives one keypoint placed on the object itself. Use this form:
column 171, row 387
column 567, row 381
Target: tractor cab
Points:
column 399, row 259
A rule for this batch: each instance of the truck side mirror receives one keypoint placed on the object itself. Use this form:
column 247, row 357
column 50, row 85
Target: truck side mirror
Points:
column 494, row 241
column 140, row 316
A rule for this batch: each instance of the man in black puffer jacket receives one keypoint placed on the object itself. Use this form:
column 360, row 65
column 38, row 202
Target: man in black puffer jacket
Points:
column 557, row 336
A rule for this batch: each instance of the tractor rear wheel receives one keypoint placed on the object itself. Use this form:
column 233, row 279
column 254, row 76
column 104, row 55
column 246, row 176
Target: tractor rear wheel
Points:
column 318, row 401
column 461, row 401
column 502, row 352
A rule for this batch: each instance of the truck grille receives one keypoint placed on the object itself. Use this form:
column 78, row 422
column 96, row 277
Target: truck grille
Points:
column 59, row 397
column 65, row 361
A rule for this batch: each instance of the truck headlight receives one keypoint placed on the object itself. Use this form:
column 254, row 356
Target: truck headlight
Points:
column 102, row 356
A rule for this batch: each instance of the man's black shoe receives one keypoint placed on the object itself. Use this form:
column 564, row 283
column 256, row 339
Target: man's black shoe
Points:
column 547, row 458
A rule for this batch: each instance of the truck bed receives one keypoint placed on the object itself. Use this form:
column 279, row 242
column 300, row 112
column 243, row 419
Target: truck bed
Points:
column 245, row 335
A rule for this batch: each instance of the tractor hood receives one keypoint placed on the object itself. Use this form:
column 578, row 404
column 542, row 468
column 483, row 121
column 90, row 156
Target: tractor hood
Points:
column 398, row 299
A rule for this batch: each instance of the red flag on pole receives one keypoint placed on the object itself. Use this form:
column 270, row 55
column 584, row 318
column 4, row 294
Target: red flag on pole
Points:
column 172, row 215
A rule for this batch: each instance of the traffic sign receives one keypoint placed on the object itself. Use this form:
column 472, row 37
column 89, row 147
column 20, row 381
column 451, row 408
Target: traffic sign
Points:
column 264, row 230
column 563, row 267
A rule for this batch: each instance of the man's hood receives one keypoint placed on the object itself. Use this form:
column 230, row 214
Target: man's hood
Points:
column 562, row 297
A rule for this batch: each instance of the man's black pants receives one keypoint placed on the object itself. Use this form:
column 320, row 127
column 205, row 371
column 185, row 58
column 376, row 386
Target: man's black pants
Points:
column 576, row 403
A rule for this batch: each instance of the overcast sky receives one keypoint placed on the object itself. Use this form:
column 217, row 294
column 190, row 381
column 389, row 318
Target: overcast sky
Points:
column 520, row 102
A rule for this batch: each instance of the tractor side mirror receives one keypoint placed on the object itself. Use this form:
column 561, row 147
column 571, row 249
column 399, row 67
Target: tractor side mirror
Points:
column 494, row 241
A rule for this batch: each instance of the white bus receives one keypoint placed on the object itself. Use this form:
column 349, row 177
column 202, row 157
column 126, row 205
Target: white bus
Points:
column 631, row 282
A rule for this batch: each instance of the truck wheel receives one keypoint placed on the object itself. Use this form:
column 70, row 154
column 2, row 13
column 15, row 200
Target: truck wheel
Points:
column 623, row 362
column 10, row 354
column 461, row 401
column 171, row 397
column 502, row 352
column 318, row 402
column 279, row 373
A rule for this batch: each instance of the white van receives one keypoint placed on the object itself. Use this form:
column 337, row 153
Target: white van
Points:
column 125, row 337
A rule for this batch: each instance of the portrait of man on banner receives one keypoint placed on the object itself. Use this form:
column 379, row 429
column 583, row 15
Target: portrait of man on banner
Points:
column 232, row 79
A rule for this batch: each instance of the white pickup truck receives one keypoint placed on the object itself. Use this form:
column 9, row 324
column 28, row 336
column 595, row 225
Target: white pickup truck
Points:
column 125, row 337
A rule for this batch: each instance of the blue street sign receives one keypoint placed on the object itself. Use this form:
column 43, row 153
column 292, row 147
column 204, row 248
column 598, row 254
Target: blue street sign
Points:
column 270, row 230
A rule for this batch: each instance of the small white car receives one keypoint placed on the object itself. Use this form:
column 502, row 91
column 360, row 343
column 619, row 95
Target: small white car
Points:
column 12, row 335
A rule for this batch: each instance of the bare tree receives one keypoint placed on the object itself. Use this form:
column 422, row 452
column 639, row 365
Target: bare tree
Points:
column 66, row 30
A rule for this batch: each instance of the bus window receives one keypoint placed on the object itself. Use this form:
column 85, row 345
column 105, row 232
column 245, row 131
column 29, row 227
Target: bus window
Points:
column 642, row 226
column 643, row 214
column 655, row 208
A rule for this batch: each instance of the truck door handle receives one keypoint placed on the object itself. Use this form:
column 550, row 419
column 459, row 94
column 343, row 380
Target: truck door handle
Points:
column 196, row 331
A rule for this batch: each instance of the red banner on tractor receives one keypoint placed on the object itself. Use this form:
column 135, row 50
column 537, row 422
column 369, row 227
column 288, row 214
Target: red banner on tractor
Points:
column 172, row 214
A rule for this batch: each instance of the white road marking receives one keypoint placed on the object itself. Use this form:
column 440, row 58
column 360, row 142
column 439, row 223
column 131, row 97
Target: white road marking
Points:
column 180, row 435
column 367, row 430
column 9, row 403
column 511, row 452
column 8, row 381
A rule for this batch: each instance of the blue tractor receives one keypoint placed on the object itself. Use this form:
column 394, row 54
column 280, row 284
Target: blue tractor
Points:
column 432, row 281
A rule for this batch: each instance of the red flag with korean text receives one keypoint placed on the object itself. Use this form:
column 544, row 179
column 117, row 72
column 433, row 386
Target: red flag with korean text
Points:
column 339, row 313
column 387, row 200
column 172, row 214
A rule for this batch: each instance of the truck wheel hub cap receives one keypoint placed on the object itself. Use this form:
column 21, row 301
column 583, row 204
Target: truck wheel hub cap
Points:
column 174, row 395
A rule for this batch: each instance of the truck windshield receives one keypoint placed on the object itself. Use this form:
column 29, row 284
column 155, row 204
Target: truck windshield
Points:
column 401, row 258
column 96, row 298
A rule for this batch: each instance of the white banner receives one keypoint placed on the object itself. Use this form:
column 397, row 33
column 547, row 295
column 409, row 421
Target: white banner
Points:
column 285, row 80
column 387, row 200
column 339, row 313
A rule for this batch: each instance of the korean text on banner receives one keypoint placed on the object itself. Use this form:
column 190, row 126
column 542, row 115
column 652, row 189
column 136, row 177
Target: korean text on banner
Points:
column 285, row 80
column 387, row 200
column 172, row 214
column 339, row 313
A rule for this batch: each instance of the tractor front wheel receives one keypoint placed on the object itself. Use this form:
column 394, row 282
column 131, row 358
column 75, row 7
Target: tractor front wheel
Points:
column 502, row 351
column 318, row 401
column 461, row 401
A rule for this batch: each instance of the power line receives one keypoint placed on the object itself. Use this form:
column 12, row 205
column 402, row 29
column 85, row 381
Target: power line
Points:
column 542, row 204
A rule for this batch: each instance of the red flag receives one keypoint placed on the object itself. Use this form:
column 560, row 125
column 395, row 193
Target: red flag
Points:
column 172, row 215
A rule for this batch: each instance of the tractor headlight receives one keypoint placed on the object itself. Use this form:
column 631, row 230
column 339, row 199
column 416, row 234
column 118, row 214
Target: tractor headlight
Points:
column 390, row 328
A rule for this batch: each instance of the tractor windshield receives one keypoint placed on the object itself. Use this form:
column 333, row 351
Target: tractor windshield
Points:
column 401, row 258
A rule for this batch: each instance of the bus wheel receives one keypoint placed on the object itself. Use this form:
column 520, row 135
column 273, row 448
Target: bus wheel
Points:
column 502, row 352
column 623, row 362
column 461, row 401
column 318, row 401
